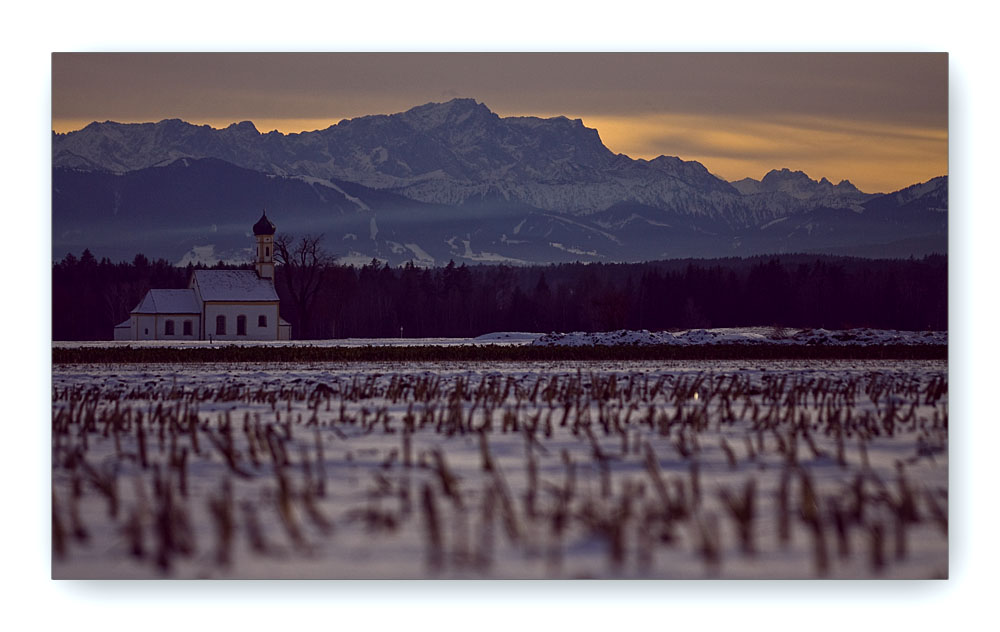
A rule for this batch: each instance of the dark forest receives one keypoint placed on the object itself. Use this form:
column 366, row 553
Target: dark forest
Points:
column 89, row 297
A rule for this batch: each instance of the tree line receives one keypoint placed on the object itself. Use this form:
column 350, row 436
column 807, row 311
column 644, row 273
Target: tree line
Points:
column 323, row 299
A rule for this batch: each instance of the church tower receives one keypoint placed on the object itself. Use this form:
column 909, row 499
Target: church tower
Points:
column 263, row 232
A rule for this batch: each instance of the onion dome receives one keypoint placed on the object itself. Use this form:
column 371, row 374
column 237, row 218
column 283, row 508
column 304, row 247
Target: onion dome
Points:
column 263, row 226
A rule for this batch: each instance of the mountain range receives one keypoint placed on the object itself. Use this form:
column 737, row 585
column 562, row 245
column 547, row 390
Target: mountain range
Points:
column 453, row 181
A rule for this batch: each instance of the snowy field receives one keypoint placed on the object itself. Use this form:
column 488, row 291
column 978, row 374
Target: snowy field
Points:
column 749, row 336
column 790, row 469
column 727, row 336
column 499, row 338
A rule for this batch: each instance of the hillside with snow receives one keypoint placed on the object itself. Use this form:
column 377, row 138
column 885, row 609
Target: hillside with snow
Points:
column 455, row 181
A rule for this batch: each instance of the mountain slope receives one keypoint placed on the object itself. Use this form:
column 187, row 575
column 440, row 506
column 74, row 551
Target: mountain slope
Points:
column 451, row 180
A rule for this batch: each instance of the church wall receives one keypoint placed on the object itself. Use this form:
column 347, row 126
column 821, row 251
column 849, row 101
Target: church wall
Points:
column 154, row 326
column 265, row 256
column 232, row 310
column 144, row 326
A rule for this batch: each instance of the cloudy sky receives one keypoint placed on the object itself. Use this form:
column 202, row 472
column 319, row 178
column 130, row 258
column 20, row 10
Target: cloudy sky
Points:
column 879, row 120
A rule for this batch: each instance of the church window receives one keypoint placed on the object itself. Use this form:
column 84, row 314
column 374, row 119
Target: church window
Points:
column 168, row 328
column 241, row 325
column 262, row 320
column 267, row 251
column 220, row 325
column 187, row 328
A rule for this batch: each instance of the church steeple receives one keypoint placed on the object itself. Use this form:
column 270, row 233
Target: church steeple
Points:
column 263, row 232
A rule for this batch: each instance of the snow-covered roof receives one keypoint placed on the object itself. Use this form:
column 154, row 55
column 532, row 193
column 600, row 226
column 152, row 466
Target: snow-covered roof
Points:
column 168, row 302
column 233, row 285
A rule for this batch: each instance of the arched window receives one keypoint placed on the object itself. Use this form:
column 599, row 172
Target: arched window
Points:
column 168, row 328
column 187, row 328
column 241, row 325
column 262, row 321
column 267, row 251
column 220, row 325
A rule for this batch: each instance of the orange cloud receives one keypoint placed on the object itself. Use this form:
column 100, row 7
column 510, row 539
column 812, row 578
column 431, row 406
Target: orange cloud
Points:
column 875, row 157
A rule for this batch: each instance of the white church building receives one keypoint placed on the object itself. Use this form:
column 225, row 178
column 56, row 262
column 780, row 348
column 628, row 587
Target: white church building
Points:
column 217, row 304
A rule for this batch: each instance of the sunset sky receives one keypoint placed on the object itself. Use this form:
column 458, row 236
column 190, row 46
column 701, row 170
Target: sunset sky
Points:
column 879, row 120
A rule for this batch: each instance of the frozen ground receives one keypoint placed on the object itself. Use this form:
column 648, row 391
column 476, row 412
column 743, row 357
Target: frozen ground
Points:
column 544, row 470
column 741, row 335
column 749, row 336
column 499, row 338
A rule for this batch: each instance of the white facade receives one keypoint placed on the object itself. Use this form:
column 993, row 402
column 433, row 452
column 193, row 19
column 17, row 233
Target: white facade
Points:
column 265, row 256
column 166, row 326
column 241, row 321
column 123, row 331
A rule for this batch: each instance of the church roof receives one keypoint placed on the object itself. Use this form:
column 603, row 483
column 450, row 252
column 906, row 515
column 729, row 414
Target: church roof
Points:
column 168, row 302
column 233, row 285
column 263, row 226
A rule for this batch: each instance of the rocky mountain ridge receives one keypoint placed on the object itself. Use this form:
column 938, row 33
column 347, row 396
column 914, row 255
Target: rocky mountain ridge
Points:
column 442, row 174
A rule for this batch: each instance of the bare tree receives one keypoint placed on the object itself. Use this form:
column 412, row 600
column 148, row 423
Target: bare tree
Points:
column 301, row 267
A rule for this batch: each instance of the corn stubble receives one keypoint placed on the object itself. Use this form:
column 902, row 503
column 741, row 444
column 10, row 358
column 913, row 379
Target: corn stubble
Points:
column 571, row 474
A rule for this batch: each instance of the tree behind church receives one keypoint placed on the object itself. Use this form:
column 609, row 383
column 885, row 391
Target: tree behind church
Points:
column 302, row 264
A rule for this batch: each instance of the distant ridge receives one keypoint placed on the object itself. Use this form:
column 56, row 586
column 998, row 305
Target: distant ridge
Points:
column 451, row 181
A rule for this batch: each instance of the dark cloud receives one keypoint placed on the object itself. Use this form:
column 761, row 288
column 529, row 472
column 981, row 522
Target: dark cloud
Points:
column 902, row 88
column 850, row 94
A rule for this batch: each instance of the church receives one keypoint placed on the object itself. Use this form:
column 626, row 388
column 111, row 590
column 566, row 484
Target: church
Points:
column 217, row 304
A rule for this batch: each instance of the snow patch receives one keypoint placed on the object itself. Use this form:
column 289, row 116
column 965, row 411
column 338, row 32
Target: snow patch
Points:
column 508, row 336
column 748, row 336
column 396, row 247
column 566, row 220
column 420, row 255
column 358, row 259
column 490, row 257
column 575, row 251
column 206, row 255
column 357, row 202
column 655, row 223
